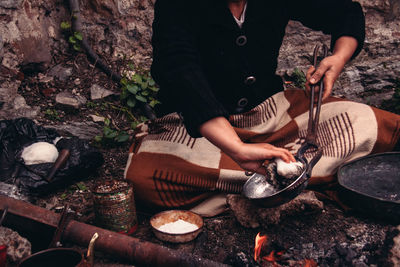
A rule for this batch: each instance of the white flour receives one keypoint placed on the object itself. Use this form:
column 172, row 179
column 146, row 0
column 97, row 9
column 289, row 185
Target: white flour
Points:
column 178, row 227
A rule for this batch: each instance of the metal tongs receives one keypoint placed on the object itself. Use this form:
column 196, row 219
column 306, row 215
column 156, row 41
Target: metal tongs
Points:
column 313, row 119
column 257, row 187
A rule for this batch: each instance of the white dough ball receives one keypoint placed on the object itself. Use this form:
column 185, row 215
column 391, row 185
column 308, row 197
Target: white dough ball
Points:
column 40, row 152
column 288, row 170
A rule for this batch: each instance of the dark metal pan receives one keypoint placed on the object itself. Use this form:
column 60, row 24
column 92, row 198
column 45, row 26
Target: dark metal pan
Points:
column 371, row 184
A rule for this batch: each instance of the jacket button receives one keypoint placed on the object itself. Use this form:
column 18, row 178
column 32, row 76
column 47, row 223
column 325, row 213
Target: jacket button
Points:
column 242, row 102
column 241, row 40
column 250, row 80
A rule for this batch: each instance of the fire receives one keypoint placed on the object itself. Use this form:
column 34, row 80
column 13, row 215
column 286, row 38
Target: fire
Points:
column 260, row 240
column 310, row 263
column 273, row 257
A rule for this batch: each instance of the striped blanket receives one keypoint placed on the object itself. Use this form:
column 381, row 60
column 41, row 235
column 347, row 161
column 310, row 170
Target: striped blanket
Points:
column 170, row 169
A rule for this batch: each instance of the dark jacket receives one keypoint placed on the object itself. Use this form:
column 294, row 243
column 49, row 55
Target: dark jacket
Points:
column 207, row 66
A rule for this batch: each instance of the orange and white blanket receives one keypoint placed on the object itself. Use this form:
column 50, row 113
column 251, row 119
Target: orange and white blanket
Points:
column 170, row 169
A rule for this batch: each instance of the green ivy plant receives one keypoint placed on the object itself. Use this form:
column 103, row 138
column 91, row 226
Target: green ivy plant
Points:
column 52, row 114
column 140, row 87
column 111, row 135
column 299, row 78
column 75, row 38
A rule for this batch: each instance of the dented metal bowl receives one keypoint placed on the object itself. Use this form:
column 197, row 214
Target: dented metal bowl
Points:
column 171, row 216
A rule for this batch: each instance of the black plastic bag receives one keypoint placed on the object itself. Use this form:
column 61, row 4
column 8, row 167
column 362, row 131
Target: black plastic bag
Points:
column 17, row 134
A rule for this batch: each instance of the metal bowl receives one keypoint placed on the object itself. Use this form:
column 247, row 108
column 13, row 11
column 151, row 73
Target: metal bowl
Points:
column 170, row 216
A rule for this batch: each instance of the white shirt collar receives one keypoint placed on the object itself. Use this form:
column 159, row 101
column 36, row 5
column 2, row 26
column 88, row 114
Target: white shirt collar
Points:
column 240, row 21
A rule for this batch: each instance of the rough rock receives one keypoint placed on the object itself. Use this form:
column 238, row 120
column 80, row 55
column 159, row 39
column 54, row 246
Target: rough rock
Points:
column 10, row 3
column 8, row 90
column 370, row 77
column 1, row 48
column 251, row 216
column 16, row 108
column 69, row 101
column 60, row 72
column 96, row 118
column 17, row 246
column 99, row 92
column 395, row 251
column 83, row 130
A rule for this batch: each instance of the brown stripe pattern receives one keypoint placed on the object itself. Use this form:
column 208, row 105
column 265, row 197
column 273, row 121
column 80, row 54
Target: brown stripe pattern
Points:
column 256, row 116
column 171, row 129
column 335, row 136
column 174, row 189
column 396, row 134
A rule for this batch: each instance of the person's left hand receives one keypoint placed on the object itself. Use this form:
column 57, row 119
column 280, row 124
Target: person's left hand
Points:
column 331, row 67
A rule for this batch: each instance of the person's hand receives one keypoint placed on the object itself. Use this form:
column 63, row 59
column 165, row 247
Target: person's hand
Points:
column 251, row 157
column 330, row 67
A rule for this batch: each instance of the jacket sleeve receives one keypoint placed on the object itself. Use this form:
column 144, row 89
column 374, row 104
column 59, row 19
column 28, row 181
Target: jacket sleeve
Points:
column 335, row 17
column 177, row 67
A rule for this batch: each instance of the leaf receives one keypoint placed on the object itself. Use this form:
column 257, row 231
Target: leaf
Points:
column 145, row 93
column 134, row 124
column 154, row 88
column 132, row 88
column 131, row 66
column 81, row 186
column 111, row 134
column 63, row 196
column 137, row 78
column 124, row 81
column 65, row 25
column 131, row 102
column 143, row 118
column 72, row 40
column 141, row 98
column 122, row 137
column 107, row 130
column 124, row 94
column 144, row 85
column 77, row 47
column 78, row 36
column 107, row 121
column 98, row 138
column 151, row 82
column 154, row 102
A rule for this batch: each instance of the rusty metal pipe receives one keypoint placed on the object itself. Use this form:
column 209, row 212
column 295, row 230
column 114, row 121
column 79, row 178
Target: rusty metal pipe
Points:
column 130, row 249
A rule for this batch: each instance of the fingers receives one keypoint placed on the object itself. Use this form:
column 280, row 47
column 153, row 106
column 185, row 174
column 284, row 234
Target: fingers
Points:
column 253, row 156
column 317, row 75
column 328, row 85
column 282, row 153
column 310, row 71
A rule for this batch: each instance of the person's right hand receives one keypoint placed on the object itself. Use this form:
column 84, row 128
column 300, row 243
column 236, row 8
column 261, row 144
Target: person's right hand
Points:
column 252, row 157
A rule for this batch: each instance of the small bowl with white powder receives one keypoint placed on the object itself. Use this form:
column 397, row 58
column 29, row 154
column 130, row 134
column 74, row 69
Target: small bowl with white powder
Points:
column 177, row 226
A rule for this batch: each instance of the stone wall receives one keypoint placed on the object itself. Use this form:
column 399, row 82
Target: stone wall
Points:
column 370, row 77
column 30, row 37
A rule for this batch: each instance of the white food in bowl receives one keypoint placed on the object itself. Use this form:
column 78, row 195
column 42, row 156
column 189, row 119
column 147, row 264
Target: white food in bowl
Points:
column 40, row 152
column 178, row 227
column 288, row 170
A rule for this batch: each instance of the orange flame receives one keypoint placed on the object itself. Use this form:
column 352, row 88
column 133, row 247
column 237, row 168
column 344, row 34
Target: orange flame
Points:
column 271, row 257
column 260, row 240
column 310, row 263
